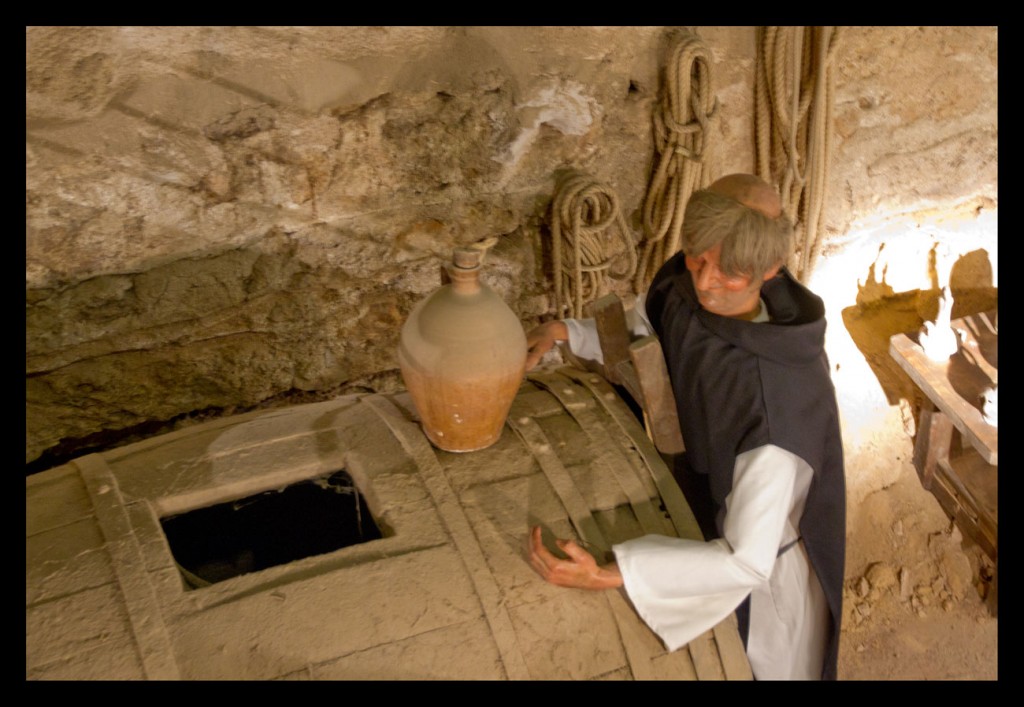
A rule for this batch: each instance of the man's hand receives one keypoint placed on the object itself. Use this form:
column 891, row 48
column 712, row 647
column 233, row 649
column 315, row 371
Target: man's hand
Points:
column 542, row 339
column 580, row 571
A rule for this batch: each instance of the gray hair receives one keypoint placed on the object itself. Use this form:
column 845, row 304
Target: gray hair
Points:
column 752, row 243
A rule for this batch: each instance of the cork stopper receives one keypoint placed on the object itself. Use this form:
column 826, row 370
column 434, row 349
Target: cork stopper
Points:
column 468, row 258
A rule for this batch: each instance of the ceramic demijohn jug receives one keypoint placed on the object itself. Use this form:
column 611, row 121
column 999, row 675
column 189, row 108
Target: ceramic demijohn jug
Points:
column 463, row 355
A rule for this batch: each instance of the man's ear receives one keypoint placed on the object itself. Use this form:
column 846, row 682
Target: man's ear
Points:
column 772, row 272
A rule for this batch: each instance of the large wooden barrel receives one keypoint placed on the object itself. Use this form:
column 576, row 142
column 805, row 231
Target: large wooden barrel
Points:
column 441, row 591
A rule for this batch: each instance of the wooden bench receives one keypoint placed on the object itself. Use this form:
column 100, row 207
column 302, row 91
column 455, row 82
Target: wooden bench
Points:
column 956, row 451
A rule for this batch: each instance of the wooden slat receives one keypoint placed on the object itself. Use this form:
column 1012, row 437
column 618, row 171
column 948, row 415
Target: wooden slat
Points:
column 639, row 652
column 612, row 334
column 706, row 660
column 558, row 476
column 604, row 452
column 970, row 512
column 629, row 380
column 683, row 520
column 150, row 632
column 415, row 443
column 658, row 400
column 731, row 650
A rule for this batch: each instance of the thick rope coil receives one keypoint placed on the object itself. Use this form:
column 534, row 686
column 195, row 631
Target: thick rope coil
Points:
column 794, row 104
column 684, row 152
column 581, row 212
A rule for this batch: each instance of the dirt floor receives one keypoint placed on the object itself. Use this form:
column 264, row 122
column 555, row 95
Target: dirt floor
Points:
column 913, row 599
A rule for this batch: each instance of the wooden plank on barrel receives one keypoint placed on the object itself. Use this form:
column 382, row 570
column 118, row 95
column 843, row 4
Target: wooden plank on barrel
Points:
column 678, row 662
column 731, row 650
column 639, row 652
column 582, row 518
column 605, row 453
column 679, row 511
column 558, row 476
column 412, row 439
column 628, row 431
column 150, row 632
column 706, row 659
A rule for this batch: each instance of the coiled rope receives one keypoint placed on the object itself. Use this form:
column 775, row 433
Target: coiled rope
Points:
column 684, row 152
column 794, row 100
column 581, row 212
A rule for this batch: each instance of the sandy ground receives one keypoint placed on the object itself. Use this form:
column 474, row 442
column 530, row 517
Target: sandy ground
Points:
column 913, row 598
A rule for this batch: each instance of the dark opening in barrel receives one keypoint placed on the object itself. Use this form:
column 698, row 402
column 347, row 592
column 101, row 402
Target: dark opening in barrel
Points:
column 312, row 517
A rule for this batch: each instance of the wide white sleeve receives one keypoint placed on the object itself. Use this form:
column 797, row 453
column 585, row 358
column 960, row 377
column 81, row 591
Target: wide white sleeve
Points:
column 681, row 588
column 583, row 340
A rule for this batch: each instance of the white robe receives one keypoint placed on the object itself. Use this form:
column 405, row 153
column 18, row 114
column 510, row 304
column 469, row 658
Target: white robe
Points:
column 682, row 588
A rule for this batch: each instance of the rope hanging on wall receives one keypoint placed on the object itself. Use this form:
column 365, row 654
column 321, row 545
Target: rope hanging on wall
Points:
column 794, row 97
column 684, row 156
column 582, row 211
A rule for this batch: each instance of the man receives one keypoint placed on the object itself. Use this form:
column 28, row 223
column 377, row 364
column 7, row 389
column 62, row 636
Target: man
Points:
column 744, row 344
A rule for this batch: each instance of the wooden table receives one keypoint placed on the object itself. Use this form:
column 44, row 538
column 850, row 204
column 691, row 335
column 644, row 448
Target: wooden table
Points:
column 956, row 451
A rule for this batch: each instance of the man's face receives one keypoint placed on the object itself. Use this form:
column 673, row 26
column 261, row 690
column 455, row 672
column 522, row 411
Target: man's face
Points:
column 725, row 295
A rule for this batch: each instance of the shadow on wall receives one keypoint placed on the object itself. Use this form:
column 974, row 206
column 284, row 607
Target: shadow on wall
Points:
column 881, row 312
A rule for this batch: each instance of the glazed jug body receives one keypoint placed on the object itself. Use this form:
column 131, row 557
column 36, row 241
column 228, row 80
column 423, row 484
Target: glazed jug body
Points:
column 462, row 355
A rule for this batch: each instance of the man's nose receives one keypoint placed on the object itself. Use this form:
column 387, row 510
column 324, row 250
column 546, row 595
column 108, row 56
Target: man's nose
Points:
column 707, row 277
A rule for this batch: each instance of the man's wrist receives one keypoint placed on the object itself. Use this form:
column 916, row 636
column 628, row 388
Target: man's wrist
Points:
column 559, row 331
column 609, row 576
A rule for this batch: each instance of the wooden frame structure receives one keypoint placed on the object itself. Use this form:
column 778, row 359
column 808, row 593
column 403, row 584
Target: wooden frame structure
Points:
column 956, row 450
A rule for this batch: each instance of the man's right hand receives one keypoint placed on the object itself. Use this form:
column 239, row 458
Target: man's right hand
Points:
column 580, row 570
column 542, row 339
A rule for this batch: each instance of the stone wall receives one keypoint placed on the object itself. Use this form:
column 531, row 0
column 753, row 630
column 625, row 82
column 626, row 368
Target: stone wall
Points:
column 218, row 217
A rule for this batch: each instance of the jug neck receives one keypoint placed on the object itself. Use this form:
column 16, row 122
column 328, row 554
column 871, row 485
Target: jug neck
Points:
column 464, row 270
